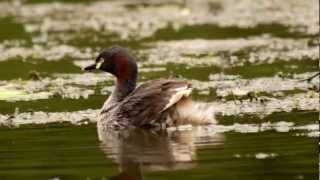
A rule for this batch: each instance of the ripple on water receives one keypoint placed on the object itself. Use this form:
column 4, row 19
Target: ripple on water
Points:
column 250, row 72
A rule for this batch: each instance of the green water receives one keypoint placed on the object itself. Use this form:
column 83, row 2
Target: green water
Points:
column 249, row 68
column 69, row 152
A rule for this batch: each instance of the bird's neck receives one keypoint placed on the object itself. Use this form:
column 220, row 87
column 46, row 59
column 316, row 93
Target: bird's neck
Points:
column 125, row 83
column 124, row 87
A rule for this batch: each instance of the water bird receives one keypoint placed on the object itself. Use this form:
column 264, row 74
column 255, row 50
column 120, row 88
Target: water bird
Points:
column 155, row 104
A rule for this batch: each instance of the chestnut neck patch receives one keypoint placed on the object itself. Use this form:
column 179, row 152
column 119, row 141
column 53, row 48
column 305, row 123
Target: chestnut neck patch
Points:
column 122, row 68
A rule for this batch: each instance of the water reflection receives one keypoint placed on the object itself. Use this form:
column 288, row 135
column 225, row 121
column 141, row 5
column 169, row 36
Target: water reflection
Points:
column 137, row 151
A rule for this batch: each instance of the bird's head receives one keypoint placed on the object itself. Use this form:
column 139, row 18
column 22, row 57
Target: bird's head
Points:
column 117, row 61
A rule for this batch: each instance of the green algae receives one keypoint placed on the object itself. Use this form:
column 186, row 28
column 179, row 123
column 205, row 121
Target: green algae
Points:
column 21, row 69
column 64, row 151
column 208, row 31
column 297, row 117
column 54, row 104
column 279, row 67
column 12, row 30
column 246, row 71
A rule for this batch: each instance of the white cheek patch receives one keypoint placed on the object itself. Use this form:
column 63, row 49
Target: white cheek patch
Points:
column 99, row 63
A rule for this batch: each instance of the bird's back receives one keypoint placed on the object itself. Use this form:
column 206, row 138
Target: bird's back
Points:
column 149, row 105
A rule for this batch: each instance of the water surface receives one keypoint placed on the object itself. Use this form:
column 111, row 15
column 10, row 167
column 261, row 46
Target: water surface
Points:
column 246, row 60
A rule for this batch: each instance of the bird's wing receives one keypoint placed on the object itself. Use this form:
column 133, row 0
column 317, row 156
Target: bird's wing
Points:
column 149, row 101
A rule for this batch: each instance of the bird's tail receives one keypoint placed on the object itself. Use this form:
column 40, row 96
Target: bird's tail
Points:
column 195, row 113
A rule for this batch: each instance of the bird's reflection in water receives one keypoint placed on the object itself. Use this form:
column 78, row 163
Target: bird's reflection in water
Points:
column 139, row 150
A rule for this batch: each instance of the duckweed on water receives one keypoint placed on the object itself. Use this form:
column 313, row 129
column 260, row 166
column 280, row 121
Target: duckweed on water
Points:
column 262, row 51
column 23, row 68
column 208, row 31
column 82, row 85
column 246, row 60
column 287, row 104
column 16, row 95
column 7, row 93
column 89, row 116
column 149, row 19
column 49, row 53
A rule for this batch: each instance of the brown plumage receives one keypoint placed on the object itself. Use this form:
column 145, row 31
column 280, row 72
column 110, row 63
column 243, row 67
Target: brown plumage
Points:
column 147, row 106
column 158, row 103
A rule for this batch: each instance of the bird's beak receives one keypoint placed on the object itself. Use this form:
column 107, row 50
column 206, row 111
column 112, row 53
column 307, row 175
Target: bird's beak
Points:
column 96, row 65
column 90, row 67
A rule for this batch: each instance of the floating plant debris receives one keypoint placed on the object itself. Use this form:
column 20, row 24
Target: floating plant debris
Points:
column 116, row 17
column 290, row 103
column 248, row 62
column 7, row 94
